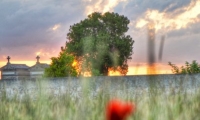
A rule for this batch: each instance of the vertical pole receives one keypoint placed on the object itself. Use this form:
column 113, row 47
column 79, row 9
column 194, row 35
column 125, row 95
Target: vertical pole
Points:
column 151, row 48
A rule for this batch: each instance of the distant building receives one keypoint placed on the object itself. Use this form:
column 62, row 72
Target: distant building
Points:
column 14, row 71
column 22, row 71
column 37, row 70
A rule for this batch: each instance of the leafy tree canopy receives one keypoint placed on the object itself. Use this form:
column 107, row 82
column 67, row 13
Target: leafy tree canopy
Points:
column 61, row 66
column 99, row 43
column 189, row 68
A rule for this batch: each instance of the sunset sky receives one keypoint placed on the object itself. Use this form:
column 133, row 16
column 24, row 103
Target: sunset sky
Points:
column 39, row 27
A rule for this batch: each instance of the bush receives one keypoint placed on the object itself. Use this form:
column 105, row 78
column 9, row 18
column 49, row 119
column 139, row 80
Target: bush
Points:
column 189, row 68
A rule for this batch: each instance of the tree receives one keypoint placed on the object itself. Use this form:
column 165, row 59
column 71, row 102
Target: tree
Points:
column 194, row 67
column 61, row 66
column 99, row 43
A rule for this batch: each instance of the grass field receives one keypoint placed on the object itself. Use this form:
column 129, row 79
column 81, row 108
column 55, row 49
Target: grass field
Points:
column 154, row 105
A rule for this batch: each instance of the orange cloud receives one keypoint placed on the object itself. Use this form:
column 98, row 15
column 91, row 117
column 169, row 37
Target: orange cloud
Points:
column 101, row 5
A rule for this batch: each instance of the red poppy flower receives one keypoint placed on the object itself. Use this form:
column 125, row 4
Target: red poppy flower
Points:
column 118, row 110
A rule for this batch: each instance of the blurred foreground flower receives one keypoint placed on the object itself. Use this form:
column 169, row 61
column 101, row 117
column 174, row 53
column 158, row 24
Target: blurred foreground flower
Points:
column 118, row 110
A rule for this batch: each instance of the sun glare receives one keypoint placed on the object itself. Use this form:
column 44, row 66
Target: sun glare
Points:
column 145, row 70
column 74, row 64
column 114, row 73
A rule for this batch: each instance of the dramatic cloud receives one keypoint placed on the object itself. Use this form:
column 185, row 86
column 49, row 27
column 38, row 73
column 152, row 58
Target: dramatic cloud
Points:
column 189, row 14
column 180, row 23
column 29, row 28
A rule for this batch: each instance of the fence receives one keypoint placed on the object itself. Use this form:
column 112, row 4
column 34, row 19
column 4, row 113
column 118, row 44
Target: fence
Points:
column 113, row 85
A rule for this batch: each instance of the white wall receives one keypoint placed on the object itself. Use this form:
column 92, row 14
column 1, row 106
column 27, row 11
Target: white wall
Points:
column 8, row 73
column 37, row 73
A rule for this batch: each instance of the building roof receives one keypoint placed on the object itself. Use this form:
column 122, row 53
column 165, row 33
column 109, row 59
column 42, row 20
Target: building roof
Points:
column 39, row 66
column 14, row 66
